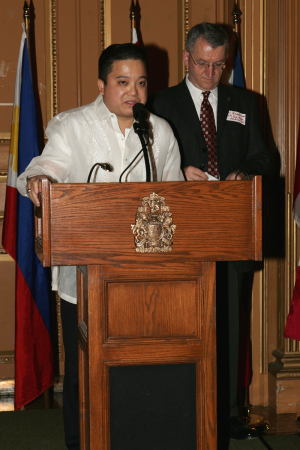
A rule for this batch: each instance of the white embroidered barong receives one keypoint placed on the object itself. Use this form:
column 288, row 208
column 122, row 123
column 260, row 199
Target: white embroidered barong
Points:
column 79, row 138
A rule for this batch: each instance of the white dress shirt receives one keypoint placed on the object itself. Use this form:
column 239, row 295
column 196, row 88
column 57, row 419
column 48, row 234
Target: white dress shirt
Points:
column 198, row 97
column 79, row 138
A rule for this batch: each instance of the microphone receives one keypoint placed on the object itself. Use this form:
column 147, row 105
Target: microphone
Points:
column 105, row 166
column 141, row 127
column 140, row 115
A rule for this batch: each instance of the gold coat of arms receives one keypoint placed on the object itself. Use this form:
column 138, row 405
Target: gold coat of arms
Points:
column 153, row 228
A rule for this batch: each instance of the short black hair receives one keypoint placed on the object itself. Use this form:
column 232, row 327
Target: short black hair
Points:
column 119, row 52
column 214, row 34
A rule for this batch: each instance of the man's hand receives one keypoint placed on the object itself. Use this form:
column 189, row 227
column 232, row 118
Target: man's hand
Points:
column 194, row 174
column 233, row 176
column 34, row 187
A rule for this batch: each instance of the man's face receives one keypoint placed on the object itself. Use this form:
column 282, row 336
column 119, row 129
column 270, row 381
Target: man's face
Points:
column 126, row 86
column 203, row 77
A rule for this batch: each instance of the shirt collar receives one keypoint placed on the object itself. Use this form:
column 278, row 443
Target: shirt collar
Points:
column 104, row 113
column 195, row 91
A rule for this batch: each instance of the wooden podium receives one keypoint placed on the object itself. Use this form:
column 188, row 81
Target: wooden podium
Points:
column 138, row 308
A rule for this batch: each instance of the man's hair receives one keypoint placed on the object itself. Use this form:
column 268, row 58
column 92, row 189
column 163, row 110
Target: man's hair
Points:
column 119, row 52
column 215, row 35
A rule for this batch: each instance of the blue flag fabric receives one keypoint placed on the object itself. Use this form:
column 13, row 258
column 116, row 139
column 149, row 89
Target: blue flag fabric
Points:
column 33, row 351
column 36, row 276
column 238, row 74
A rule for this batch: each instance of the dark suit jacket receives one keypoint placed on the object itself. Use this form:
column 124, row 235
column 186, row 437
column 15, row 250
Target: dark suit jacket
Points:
column 239, row 147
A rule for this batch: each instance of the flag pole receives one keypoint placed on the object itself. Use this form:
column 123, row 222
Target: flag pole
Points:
column 134, row 36
column 132, row 15
column 236, row 17
column 26, row 15
column 236, row 30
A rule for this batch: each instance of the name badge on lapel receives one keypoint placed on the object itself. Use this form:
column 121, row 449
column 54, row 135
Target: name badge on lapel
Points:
column 235, row 116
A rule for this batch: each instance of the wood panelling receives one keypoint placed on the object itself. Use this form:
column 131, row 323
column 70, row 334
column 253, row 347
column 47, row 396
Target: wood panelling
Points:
column 11, row 18
column 7, row 317
column 159, row 30
column 4, row 149
column 273, row 71
column 219, row 11
column 148, row 301
column 284, row 395
column 10, row 25
column 78, row 49
column 7, row 310
column 2, row 196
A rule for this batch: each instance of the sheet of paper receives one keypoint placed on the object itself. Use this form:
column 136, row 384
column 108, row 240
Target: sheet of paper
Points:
column 211, row 178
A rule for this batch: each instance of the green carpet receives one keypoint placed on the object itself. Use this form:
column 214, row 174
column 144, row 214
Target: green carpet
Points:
column 40, row 429
column 286, row 442
column 43, row 430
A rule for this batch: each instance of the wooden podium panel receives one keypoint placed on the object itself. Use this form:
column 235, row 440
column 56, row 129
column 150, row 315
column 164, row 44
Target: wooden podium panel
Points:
column 147, row 308
column 91, row 223
column 130, row 301
column 154, row 314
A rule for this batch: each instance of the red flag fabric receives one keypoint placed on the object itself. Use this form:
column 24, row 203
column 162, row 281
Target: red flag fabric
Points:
column 292, row 328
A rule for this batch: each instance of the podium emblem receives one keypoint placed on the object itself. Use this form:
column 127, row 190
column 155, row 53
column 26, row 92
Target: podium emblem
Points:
column 153, row 228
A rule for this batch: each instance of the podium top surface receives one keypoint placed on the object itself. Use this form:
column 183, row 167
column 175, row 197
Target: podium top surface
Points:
column 86, row 224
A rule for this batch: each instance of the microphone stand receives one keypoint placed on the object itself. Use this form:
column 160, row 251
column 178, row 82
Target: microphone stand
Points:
column 143, row 134
column 105, row 166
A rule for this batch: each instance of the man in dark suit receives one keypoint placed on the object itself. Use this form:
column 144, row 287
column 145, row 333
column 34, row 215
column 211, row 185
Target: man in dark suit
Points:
column 238, row 150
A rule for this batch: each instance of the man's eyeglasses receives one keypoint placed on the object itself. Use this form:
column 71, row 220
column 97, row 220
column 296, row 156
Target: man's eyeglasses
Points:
column 219, row 65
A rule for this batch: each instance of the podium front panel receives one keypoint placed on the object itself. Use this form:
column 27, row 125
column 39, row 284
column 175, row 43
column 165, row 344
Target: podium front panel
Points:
column 92, row 224
column 149, row 315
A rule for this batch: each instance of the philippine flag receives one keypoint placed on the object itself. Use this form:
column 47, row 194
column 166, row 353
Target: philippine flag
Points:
column 292, row 328
column 33, row 347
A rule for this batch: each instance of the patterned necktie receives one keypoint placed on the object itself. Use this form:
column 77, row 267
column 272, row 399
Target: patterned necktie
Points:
column 207, row 121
